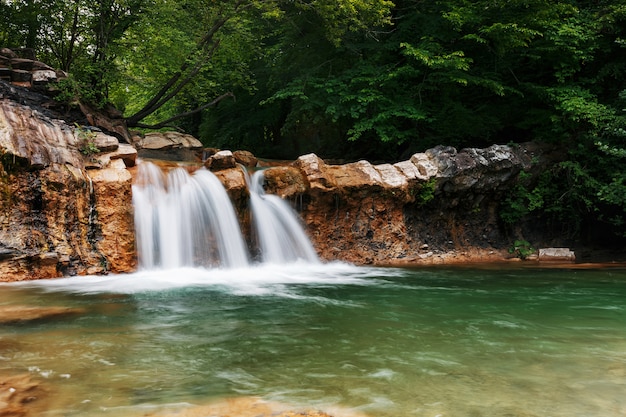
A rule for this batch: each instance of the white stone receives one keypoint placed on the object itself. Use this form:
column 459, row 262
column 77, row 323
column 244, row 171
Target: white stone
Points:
column 425, row 166
column 557, row 254
column 391, row 176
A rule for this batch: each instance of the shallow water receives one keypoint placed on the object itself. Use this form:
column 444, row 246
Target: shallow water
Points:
column 385, row 342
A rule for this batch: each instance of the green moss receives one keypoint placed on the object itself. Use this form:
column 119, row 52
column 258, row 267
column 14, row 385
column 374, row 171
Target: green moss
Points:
column 425, row 193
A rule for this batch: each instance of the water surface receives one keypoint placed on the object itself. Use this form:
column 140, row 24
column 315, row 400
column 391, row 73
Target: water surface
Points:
column 385, row 342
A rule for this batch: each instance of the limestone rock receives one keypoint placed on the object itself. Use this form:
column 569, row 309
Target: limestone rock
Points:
column 168, row 140
column 105, row 143
column 245, row 158
column 221, row 160
column 441, row 199
column 314, row 170
column 36, row 140
column 357, row 175
column 234, row 181
column 50, row 222
column 126, row 153
column 173, row 146
column 44, row 76
column 424, row 165
column 556, row 255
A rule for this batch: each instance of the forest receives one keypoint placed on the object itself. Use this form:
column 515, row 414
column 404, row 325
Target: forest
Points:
column 371, row 79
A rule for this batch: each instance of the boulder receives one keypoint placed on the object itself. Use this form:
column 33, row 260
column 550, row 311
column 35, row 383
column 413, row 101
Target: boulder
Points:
column 234, row 181
column 221, row 160
column 315, row 172
column 173, row 146
column 126, row 153
column 104, row 142
column 245, row 158
column 168, row 140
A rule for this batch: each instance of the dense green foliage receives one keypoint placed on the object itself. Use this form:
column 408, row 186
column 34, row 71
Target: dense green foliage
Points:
column 376, row 79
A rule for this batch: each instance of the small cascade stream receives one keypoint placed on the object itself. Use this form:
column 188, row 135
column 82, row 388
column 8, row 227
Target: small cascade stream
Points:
column 186, row 220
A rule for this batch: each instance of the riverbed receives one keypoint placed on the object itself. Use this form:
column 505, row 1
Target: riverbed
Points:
column 381, row 342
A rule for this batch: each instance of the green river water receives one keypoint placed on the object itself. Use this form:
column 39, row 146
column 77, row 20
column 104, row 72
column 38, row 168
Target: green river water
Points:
column 385, row 342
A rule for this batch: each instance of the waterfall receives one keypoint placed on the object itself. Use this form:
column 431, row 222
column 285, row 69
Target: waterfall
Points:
column 184, row 219
column 280, row 235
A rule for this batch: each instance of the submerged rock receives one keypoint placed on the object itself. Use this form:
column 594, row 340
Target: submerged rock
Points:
column 20, row 314
column 250, row 407
column 22, row 396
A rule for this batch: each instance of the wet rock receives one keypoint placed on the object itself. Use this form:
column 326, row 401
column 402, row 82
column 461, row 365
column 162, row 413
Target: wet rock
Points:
column 114, row 237
column 284, row 181
column 251, row 407
column 234, row 181
column 52, row 214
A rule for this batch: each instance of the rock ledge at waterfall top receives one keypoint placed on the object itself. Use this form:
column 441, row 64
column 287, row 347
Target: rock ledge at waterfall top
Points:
column 439, row 207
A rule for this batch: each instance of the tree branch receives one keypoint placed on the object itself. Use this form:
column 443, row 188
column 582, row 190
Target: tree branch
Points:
column 174, row 85
column 165, row 123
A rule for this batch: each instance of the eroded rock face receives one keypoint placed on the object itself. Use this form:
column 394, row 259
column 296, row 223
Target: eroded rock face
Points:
column 438, row 201
column 57, row 218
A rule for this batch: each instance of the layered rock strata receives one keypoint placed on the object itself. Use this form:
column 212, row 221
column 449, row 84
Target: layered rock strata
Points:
column 65, row 205
column 439, row 202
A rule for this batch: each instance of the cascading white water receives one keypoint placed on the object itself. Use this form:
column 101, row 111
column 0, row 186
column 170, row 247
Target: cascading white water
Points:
column 188, row 220
column 185, row 220
column 281, row 237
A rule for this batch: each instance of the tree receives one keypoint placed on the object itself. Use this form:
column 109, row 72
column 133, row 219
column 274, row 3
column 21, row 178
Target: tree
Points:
column 215, row 23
